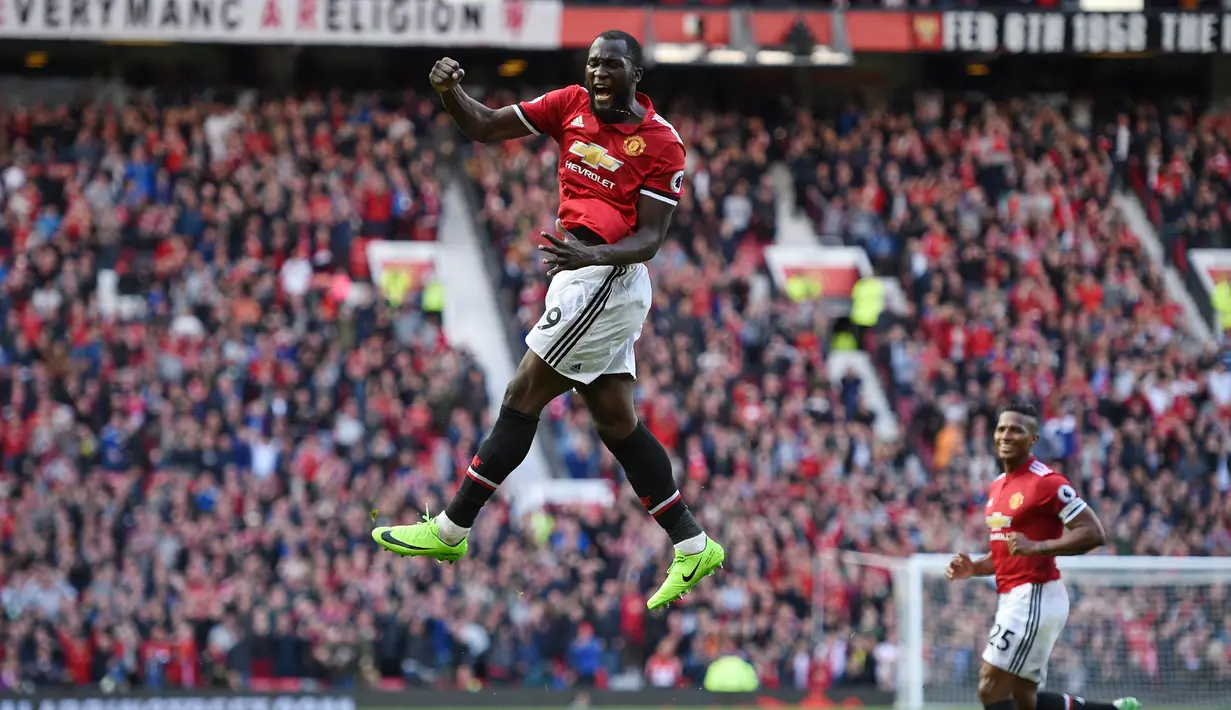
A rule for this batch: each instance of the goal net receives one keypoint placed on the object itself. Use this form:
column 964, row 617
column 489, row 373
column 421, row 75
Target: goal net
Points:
column 1157, row 628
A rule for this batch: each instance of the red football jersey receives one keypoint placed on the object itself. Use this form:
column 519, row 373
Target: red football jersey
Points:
column 606, row 167
column 1034, row 501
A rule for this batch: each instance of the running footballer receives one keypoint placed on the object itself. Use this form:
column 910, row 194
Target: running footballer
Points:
column 1033, row 515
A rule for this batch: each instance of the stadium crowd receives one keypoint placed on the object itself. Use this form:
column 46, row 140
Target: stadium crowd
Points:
column 1023, row 281
column 205, row 402
column 1179, row 163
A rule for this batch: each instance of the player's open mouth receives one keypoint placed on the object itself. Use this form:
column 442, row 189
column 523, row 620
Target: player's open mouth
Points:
column 602, row 93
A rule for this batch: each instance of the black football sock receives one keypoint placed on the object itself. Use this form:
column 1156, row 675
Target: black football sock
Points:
column 1061, row 701
column 502, row 451
column 1007, row 704
column 648, row 469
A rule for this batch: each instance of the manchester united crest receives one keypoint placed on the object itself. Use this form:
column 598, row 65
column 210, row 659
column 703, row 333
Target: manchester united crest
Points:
column 1016, row 501
column 927, row 31
column 634, row 146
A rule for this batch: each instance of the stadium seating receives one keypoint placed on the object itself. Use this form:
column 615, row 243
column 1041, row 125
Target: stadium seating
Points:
column 1180, row 176
column 161, row 469
column 188, row 491
column 1025, row 283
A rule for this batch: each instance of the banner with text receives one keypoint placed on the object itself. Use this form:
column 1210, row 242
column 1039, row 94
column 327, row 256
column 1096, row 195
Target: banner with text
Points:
column 525, row 24
column 1073, row 32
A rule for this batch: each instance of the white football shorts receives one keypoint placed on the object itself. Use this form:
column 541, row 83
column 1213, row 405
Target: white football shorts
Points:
column 593, row 317
column 1029, row 621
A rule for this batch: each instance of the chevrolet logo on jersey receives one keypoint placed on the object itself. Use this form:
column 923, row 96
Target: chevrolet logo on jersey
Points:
column 998, row 523
column 595, row 156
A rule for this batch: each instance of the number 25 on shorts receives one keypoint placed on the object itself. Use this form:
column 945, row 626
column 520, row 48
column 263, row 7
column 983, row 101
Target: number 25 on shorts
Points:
column 1001, row 638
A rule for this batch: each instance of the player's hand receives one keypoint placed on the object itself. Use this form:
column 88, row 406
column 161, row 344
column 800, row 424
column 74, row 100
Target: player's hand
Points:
column 564, row 252
column 960, row 567
column 1020, row 545
column 446, row 74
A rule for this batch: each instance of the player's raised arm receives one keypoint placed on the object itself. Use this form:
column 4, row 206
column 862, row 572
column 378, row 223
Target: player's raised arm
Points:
column 476, row 121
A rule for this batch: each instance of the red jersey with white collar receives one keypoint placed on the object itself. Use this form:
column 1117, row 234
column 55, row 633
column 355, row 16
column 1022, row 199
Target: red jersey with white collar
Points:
column 605, row 168
column 1034, row 501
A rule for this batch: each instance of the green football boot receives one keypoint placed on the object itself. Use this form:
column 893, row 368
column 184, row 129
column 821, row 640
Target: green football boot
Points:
column 685, row 572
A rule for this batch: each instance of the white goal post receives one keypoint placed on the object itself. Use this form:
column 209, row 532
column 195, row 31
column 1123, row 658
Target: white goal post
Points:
column 1157, row 628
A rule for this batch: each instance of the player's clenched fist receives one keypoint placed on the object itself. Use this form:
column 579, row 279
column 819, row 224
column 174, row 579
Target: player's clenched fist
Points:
column 446, row 74
column 1020, row 545
column 960, row 567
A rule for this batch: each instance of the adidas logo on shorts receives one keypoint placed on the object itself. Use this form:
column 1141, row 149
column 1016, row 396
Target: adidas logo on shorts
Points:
column 574, row 368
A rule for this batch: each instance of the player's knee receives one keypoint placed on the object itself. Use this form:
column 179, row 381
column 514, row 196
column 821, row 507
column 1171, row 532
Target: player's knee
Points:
column 992, row 687
column 611, row 411
column 1027, row 698
column 614, row 419
column 521, row 396
column 533, row 386
column 616, row 426
column 991, row 693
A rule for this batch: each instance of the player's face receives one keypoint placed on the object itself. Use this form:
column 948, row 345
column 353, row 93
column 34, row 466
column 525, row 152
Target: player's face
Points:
column 611, row 77
column 1015, row 436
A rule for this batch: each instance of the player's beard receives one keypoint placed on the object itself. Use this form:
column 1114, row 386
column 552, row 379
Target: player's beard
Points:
column 613, row 113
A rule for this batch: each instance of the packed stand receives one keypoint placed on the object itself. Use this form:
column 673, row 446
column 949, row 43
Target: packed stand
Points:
column 234, row 405
column 1024, row 282
column 1178, row 161
column 986, row 223
column 201, row 393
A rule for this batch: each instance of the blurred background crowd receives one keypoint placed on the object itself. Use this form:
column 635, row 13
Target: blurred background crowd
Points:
column 206, row 401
